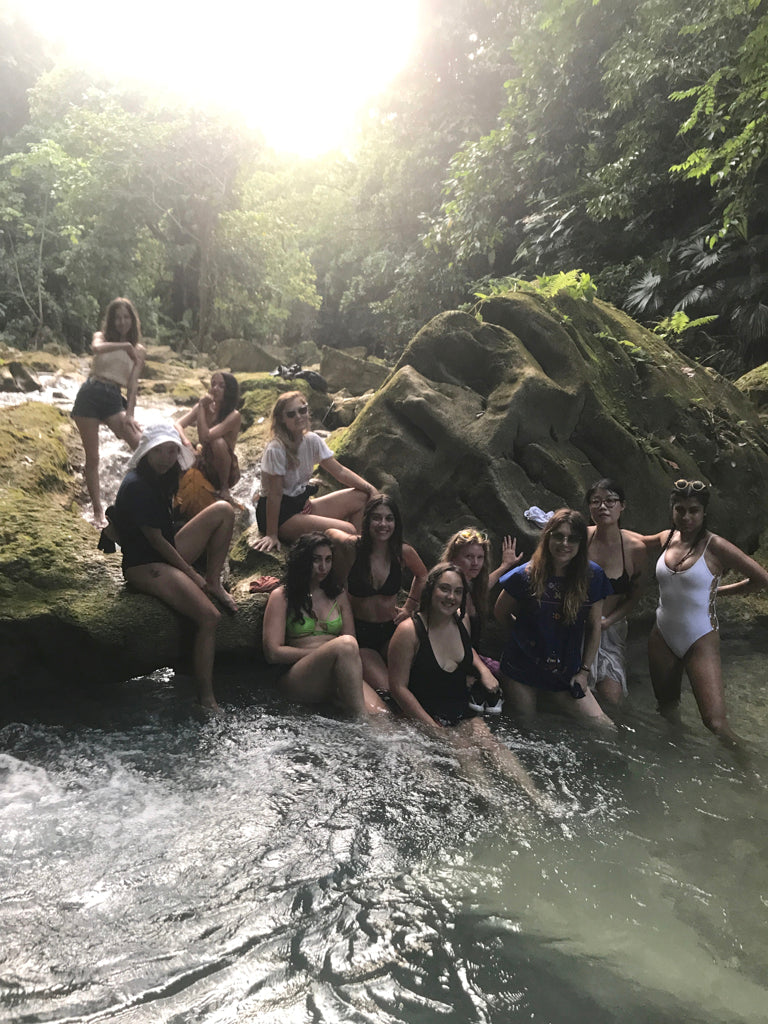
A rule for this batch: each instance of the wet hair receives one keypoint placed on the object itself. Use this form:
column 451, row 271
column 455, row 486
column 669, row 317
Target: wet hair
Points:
column 108, row 328
column 433, row 577
column 606, row 484
column 700, row 494
column 278, row 430
column 478, row 587
column 541, row 566
column 231, row 395
column 395, row 543
column 298, row 574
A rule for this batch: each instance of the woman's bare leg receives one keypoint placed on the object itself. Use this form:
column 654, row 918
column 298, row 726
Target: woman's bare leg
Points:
column 210, row 531
column 125, row 429
column 585, row 707
column 222, row 464
column 347, row 505
column 503, row 758
column 703, row 667
column 173, row 588
column 520, row 698
column 610, row 691
column 666, row 675
column 332, row 672
column 88, row 426
column 374, row 669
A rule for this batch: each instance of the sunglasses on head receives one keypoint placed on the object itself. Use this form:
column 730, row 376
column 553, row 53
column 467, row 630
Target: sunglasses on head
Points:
column 690, row 485
column 302, row 410
column 473, row 535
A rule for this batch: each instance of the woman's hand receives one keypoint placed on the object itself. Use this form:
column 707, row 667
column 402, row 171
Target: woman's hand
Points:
column 509, row 555
column 268, row 543
column 401, row 614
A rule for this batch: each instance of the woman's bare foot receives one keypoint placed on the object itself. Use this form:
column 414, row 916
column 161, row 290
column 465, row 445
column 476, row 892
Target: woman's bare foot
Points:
column 225, row 600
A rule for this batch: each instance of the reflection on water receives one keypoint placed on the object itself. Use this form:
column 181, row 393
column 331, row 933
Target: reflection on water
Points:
column 285, row 866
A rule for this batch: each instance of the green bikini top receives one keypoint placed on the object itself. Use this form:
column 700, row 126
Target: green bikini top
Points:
column 296, row 629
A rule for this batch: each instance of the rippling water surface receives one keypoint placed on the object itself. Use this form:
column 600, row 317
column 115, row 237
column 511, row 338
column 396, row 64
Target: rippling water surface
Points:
column 279, row 865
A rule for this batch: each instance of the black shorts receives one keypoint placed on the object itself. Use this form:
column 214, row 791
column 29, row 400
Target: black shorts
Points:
column 99, row 400
column 374, row 635
column 289, row 507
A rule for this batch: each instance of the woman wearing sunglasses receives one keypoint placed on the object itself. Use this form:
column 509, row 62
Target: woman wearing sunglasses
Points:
column 623, row 558
column 285, row 510
column 552, row 607
column 691, row 561
column 470, row 549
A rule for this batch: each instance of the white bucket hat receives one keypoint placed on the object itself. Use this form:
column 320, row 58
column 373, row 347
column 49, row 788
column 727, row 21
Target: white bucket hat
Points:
column 161, row 433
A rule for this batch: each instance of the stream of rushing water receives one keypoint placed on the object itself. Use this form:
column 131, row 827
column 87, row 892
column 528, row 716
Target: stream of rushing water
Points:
column 281, row 865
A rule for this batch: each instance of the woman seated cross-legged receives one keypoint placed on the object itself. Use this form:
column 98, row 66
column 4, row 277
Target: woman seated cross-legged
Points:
column 308, row 630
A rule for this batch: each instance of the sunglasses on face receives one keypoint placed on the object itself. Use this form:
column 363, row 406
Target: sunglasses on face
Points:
column 608, row 502
column 694, row 485
column 564, row 538
column 302, row 410
column 479, row 536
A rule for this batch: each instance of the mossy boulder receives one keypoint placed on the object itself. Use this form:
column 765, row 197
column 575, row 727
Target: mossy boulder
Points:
column 350, row 373
column 755, row 386
column 529, row 405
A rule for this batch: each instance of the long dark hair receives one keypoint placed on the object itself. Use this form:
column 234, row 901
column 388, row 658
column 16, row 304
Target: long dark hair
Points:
column 231, row 395
column 108, row 328
column 479, row 585
column 433, row 576
column 541, row 566
column 395, row 542
column 298, row 574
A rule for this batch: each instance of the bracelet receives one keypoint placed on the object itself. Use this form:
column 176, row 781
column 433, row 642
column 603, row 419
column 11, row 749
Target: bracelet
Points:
column 409, row 598
column 584, row 668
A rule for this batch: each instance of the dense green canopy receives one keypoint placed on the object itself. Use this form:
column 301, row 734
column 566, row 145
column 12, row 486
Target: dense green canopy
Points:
column 627, row 139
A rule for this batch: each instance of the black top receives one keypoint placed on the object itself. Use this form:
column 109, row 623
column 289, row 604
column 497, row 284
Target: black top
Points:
column 140, row 502
column 442, row 694
column 359, row 580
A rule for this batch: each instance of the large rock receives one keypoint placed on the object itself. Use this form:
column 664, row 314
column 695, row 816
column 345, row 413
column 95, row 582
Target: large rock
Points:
column 245, row 356
column 345, row 372
column 482, row 420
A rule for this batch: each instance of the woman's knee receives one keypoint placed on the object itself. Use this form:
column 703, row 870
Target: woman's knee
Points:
column 345, row 648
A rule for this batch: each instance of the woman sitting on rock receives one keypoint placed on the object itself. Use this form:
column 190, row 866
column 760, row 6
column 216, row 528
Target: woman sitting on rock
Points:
column 552, row 607
column 374, row 579
column 118, row 357
column 217, row 422
column 308, row 630
column 285, row 509
column 156, row 561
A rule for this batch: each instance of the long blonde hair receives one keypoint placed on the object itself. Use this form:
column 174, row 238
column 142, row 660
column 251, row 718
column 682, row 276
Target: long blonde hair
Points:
column 278, row 430
column 541, row 566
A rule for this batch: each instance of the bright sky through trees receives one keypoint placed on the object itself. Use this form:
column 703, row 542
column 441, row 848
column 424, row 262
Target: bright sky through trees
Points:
column 297, row 70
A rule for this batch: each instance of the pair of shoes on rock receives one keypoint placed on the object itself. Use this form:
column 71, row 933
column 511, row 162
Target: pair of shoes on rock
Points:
column 485, row 702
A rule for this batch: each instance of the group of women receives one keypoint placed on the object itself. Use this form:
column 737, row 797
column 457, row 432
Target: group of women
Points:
column 335, row 626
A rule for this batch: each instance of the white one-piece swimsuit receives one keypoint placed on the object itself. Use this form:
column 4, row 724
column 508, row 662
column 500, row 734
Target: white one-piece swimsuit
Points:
column 686, row 609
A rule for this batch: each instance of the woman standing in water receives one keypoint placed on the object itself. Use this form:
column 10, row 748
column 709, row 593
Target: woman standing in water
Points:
column 430, row 661
column 308, row 630
column 118, row 357
column 623, row 558
column 285, row 509
column 158, row 562
column 552, row 607
column 217, row 422
column 374, row 580
column 690, row 563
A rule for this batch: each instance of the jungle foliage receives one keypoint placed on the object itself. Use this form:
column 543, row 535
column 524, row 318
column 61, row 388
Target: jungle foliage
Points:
column 525, row 138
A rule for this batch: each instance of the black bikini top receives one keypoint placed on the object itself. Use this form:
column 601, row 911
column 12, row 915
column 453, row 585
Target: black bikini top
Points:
column 623, row 583
column 359, row 580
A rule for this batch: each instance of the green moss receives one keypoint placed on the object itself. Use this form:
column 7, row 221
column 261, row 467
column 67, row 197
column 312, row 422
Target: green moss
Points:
column 33, row 456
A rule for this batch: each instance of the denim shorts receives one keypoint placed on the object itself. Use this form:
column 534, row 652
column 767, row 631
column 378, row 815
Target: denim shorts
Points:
column 99, row 400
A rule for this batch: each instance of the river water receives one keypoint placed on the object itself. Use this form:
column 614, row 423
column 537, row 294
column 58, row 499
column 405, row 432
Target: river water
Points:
column 283, row 865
